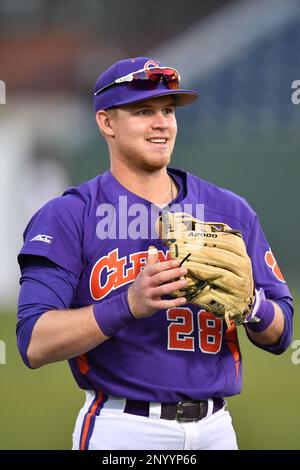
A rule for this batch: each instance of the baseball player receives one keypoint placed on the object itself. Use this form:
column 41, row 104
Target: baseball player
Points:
column 98, row 285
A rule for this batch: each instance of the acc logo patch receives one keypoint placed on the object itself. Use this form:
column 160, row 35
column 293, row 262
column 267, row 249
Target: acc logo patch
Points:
column 272, row 264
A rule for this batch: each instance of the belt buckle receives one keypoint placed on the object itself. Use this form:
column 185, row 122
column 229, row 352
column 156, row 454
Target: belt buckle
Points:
column 180, row 411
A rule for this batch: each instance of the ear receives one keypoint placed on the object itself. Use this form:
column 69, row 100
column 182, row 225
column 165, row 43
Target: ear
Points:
column 104, row 119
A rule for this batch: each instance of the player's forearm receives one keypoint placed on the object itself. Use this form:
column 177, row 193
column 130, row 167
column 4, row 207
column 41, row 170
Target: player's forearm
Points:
column 273, row 333
column 62, row 334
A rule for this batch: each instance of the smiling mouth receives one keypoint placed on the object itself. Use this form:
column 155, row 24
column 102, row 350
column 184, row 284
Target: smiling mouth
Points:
column 157, row 140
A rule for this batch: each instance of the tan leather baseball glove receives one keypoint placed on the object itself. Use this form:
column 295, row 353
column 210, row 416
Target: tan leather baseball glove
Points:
column 219, row 269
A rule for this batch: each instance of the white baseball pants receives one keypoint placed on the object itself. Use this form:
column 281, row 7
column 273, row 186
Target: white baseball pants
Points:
column 111, row 429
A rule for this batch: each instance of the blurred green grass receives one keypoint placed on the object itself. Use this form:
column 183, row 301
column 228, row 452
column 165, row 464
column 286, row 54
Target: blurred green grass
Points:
column 38, row 408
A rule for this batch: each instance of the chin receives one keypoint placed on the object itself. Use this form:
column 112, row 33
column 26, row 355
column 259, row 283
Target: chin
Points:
column 155, row 163
column 156, row 160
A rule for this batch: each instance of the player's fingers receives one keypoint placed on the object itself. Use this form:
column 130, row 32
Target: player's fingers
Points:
column 152, row 255
column 165, row 304
column 162, row 266
column 168, row 275
column 169, row 287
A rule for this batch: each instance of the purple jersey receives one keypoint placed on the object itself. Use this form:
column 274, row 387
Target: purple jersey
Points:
column 181, row 353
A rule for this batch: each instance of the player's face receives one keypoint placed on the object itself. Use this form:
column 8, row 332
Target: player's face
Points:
column 145, row 133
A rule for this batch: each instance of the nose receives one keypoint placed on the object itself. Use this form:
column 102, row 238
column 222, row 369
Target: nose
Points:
column 160, row 121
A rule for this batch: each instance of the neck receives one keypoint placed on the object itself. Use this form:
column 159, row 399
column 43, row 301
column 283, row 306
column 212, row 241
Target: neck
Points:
column 155, row 186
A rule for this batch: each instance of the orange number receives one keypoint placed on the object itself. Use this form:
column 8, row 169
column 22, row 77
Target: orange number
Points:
column 180, row 328
column 210, row 330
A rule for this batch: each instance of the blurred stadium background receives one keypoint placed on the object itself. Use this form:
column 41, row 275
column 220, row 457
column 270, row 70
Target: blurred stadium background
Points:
column 243, row 134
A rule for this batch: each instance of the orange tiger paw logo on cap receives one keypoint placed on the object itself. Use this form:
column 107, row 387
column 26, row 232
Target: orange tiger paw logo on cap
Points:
column 272, row 264
column 150, row 63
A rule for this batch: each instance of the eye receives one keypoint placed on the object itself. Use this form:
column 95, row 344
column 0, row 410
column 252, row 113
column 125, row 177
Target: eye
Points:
column 168, row 111
column 143, row 112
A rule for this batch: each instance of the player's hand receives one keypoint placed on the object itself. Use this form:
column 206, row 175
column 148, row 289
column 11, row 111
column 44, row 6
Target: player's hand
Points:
column 154, row 281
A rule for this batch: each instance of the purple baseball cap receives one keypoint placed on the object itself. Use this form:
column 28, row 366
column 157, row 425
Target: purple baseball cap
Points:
column 120, row 94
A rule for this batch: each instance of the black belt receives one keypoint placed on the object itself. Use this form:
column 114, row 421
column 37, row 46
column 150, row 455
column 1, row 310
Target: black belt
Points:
column 183, row 411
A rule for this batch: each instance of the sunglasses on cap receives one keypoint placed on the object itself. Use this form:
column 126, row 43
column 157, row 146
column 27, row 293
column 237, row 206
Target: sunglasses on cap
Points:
column 147, row 79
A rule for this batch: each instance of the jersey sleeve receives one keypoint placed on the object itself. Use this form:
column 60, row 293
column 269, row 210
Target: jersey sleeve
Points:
column 266, row 271
column 56, row 232
column 267, row 275
column 44, row 286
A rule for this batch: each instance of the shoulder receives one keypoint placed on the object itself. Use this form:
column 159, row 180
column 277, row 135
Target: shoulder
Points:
column 86, row 191
column 74, row 200
column 222, row 203
column 65, row 212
